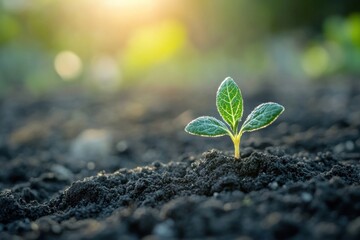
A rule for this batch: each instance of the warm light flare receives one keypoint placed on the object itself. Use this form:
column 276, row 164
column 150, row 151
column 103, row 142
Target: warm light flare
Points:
column 127, row 3
column 126, row 7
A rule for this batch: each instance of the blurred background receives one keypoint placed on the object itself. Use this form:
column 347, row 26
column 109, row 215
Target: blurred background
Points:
column 104, row 46
column 93, row 85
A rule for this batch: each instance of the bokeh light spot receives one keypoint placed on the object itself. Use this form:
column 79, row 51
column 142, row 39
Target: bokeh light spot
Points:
column 154, row 44
column 68, row 65
column 315, row 61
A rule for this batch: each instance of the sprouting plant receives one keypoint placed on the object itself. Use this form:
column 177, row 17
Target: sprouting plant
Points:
column 229, row 104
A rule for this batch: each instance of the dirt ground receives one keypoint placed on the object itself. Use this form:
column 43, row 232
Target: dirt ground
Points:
column 75, row 166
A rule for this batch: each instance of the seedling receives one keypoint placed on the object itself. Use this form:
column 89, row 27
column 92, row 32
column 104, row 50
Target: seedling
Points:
column 229, row 103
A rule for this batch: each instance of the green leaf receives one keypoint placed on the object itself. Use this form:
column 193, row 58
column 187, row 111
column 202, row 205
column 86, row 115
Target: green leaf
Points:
column 262, row 116
column 207, row 127
column 229, row 102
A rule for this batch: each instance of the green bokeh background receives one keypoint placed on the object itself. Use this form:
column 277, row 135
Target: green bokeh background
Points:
column 121, row 44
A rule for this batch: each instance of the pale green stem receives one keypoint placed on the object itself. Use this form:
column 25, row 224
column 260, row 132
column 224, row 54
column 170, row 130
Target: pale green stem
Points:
column 236, row 140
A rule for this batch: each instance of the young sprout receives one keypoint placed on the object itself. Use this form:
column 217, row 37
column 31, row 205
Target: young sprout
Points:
column 229, row 104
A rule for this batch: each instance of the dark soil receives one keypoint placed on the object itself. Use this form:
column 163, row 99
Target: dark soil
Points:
column 121, row 167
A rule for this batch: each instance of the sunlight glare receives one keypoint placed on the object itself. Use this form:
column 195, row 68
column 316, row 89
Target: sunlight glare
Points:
column 126, row 3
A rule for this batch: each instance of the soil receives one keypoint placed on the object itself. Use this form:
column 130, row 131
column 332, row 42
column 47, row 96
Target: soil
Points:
column 79, row 166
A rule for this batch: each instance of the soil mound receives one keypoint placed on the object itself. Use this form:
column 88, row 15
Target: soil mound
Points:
column 263, row 195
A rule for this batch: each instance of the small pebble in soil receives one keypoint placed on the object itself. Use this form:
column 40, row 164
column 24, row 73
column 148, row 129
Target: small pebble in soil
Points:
column 34, row 226
column 122, row 146
column 306, row 197
column 92, row 145
column 62, row 172
column 273, row 185
column 164, row 230
column 90, row 165
column 349, row 145
column 344, row 146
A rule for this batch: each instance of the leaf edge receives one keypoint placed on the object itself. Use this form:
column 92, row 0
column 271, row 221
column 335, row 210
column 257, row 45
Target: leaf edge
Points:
column 282, row 110
column 225, row 127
